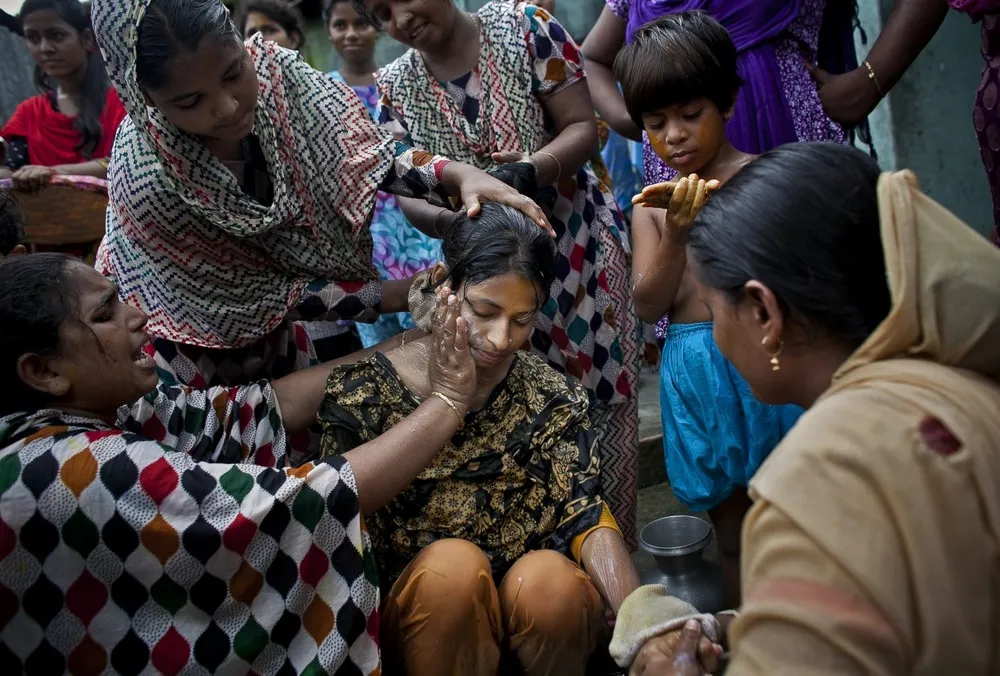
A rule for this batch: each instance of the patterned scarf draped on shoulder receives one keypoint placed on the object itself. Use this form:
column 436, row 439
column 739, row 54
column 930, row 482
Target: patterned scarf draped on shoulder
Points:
column 209, row 264
column 514, row 114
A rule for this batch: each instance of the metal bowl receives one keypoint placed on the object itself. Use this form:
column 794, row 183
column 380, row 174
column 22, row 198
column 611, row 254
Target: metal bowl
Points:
column 676, row 535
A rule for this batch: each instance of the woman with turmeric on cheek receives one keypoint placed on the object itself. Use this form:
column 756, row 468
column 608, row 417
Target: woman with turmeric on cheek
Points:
column 680, row 83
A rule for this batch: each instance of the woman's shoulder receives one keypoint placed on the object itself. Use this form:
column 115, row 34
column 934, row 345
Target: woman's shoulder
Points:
column 542, row 384
column 27, row 113
column 51, row 427
column 371, row 380
column 399, row 72
column 886, row 427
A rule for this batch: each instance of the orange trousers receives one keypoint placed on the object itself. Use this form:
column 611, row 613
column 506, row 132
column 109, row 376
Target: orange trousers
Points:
column 446, row 616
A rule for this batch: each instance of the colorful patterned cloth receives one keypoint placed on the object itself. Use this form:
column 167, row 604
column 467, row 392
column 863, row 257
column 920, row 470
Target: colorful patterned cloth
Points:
column 522, row 474
column 580, row 329
column 212, row 266
column 400, row 250
column 175, row 541
column 986, row 112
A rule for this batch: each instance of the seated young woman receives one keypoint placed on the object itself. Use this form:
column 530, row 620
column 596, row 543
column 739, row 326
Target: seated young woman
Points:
column 503, row 547
column 148, row 527
column 70, row 126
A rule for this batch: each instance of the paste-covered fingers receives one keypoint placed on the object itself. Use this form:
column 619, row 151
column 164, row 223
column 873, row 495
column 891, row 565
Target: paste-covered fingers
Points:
column 440, row 310
column 700, row 195
column 448, row 332
column 676, row 205
column 656, row 195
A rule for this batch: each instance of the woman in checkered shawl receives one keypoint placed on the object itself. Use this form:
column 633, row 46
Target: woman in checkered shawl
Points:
column 169, row 534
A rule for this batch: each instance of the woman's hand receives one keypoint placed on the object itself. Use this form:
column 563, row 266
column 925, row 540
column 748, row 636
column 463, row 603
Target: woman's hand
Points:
column 678, row 653
column 32, row 178
column 847, row 99
column 451, row 369
column 475, row 186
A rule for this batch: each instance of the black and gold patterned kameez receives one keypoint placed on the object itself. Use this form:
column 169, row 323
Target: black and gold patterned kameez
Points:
column 522, row 474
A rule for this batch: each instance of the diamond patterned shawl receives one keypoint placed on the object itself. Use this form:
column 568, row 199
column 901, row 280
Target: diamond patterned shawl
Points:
column 210, row 265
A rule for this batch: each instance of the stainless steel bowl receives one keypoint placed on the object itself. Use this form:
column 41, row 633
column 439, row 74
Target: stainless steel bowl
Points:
column 675, row 535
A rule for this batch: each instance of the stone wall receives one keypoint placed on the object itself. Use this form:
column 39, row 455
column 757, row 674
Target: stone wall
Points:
column 15, row 74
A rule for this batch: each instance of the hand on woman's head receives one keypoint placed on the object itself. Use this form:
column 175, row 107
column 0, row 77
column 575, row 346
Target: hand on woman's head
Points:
column 68, row 342
column 501, row 267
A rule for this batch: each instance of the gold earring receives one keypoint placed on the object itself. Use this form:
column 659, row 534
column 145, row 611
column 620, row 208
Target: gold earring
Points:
column 775, row 362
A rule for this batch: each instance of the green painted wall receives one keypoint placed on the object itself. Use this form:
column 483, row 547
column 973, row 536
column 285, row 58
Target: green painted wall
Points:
column 926, row 122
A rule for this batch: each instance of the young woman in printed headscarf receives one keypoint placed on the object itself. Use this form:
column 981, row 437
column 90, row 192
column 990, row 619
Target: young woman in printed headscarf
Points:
column 504, row 89
column 872, row 544
column 241, row 188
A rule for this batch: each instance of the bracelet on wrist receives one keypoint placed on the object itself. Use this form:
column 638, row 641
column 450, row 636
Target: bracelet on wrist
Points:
column 451, row 404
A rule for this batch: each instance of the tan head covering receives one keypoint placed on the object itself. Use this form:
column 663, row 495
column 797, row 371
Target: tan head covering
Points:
column 873, row 545
column 945, row 283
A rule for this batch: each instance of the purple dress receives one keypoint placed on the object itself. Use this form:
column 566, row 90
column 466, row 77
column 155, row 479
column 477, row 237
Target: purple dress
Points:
column 779, row 102
column 986, row 112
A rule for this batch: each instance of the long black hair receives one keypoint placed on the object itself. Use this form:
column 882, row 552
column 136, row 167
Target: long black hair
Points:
column 94, row 86
column 499, row 241
column 170, row 26
column 34, row 303
column 803, row 220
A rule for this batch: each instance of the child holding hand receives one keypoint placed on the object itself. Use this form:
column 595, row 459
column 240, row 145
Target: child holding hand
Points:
column 679, row 81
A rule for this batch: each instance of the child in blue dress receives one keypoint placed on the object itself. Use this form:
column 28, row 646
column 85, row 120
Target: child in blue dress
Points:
column 679, row 81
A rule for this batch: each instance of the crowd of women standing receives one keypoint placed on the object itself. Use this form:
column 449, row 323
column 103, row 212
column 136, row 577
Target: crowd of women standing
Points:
column 188, row 481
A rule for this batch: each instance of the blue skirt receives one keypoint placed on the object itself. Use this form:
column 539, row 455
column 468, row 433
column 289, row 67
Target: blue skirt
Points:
column 715, row 432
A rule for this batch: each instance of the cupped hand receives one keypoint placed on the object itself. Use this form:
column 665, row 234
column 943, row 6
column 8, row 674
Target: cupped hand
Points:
column 475, row 187
column 659, row 195
column 847, row 99
column 684, row 652
column 451, row 369
column 686, row 200
column 32, row 178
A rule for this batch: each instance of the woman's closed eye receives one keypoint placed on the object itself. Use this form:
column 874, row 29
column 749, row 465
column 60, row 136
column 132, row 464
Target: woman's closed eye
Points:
column 691, row 116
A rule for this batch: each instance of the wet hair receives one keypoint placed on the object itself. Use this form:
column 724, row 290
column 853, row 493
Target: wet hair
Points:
column 802, row 220
column 521, row 176
column 94, row 86
column 676, row 59
column 499, row 241
column 279, row 11
column 170, row 26
column 33, row 306
column 11, row 223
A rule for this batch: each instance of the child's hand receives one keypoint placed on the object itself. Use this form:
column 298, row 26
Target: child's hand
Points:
column 685, row 203
column 658, row 195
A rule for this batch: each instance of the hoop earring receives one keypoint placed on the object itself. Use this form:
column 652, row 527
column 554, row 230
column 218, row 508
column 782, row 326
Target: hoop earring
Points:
column 775, row 362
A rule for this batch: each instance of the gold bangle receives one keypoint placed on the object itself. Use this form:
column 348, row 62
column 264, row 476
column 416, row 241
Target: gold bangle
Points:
column 554, row 159
column 452, row 406
column 874, row 79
